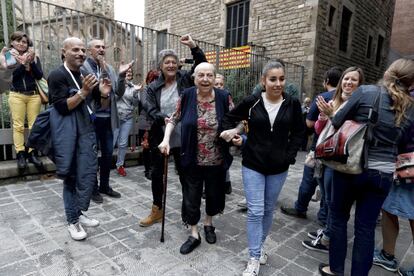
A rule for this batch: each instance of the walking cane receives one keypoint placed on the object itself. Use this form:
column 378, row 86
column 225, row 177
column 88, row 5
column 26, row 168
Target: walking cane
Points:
column 164, row 182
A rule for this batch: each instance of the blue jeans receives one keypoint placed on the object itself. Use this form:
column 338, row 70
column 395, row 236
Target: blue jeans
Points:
column 78, row 186
column 123, row 135
column 261, row 193
column 369, row 190
column 306, row 190
column 327, row 193
column 104, row 137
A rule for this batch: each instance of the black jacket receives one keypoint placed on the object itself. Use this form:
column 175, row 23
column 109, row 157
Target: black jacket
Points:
column 269, row 151
column 153, row 96
column 26, row 80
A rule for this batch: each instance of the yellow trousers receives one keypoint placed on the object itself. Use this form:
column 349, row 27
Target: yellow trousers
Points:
column 20, row 106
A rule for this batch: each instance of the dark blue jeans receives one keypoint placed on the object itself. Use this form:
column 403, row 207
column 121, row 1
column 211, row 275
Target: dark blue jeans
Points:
column 306, row 190
column 368, row 190
column 104, row 137
column 78, row 186
column 326, row 191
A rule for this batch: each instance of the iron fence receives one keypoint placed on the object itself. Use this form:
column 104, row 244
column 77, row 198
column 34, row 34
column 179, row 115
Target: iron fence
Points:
column 48, row 25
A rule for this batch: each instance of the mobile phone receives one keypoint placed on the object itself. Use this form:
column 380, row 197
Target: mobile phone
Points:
column 189, row 61
column 10, row 60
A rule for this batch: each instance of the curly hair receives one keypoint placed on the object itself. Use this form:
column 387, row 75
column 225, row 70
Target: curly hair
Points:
column 397, row 80
column 337, row 98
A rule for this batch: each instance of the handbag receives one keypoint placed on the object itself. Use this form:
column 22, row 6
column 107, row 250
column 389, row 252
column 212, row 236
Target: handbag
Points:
column 43, row 90
column 404, row 168
column 343, row 149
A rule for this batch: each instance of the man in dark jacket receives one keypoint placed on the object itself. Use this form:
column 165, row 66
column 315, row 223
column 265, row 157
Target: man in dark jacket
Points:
column 105, row 110
column 73, row 135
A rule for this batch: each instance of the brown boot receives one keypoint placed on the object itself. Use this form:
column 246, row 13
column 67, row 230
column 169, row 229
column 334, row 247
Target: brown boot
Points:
column 154, row 217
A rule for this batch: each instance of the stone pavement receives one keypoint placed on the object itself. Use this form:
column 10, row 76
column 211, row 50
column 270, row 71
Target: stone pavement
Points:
column 34, row 239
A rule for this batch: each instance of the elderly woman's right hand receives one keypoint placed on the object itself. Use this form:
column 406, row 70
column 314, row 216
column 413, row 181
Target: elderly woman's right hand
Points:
column 237, row 140
column 164, row 147
column 188, row 41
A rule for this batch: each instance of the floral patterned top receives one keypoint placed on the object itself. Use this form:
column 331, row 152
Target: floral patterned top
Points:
column 208, row 152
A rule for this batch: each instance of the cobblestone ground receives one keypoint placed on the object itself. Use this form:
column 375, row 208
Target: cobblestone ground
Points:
column 34, row 239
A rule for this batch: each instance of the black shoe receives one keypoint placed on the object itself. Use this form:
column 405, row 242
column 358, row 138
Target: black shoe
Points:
column 209, row 234
column 316, row 245
column 323, row 273
column 97, row 198
column 190, row 244
column 292, row 212
column 228, row 187
column 32, row 158
column 21, row 160
column 111, row 193
column 148, row 175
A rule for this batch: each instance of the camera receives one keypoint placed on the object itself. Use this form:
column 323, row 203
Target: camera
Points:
column 10, row 60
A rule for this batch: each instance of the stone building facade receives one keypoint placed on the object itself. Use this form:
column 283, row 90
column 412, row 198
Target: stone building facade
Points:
column 402, row 36
column 317, row 34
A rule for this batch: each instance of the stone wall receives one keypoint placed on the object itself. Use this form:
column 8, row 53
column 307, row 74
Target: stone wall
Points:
column 403, row 28
column 294, row 30
column 369, row 18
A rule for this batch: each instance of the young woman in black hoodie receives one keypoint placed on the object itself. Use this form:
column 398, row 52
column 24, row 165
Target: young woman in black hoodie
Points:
column 276, row 131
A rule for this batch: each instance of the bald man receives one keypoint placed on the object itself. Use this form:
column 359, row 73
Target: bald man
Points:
column 73, row 135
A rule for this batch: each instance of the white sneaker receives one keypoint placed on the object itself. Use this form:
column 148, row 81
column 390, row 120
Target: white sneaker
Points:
column 88, row 222
column 252, row 268
column 77, row 232
column 263, row 257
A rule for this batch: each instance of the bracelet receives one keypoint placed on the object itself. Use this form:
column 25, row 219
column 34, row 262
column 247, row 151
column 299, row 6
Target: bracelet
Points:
column 81, row 95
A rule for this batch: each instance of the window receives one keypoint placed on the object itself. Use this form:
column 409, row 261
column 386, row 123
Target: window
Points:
column 378, row 55
column 331, row 15
column 161, row 40
column 369, row 47
column 345, row 26
column 237, row 24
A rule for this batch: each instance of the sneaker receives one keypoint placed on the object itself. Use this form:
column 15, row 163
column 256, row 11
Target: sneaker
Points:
column 263, row 257
column 88, row 222
column 315, row 235
column 77, row 232
column 292, row 212
column 242, row 204
column 252, row 268
column 316, row 245
column 121, row 171
column 380, row 260
column 405, row 272
column 97, row 198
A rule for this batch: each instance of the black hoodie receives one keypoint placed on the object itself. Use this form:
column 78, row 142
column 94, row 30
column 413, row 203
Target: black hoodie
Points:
column 269, row 150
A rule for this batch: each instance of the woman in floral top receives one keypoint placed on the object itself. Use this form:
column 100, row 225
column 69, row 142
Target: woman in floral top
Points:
column 205, row 157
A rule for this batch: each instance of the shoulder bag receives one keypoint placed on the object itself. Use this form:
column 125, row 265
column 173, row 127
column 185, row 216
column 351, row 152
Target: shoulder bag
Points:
column 43, row 90
column 342, row 150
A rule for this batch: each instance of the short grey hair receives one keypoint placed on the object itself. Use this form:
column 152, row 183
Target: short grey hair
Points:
column 205, row 65
column 166, row 53
column 272, row 65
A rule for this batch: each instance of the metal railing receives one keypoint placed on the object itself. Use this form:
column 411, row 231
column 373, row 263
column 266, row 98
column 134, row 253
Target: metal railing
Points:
column 48, row 25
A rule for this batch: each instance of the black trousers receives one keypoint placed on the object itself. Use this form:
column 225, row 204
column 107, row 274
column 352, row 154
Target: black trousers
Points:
column 158, row 170
column 213, row 177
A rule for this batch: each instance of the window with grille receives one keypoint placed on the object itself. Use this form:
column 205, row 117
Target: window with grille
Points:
column 237, row 27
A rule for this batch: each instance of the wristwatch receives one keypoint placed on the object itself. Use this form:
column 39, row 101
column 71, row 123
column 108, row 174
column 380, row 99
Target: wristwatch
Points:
column 81, row 95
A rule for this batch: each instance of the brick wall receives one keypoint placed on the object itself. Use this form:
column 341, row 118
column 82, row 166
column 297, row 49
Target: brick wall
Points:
column 369, row 18
column 403, row 27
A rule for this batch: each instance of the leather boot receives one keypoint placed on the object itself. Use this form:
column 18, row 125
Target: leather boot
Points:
column 154, row 217
column 32, row 158
column 21, row 160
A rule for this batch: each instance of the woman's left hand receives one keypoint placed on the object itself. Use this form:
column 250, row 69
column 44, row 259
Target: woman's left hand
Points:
column 229, row 134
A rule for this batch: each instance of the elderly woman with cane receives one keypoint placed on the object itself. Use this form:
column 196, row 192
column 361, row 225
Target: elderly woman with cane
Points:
column 204, row 157
column 161, row 99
